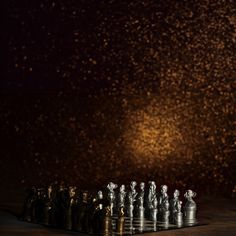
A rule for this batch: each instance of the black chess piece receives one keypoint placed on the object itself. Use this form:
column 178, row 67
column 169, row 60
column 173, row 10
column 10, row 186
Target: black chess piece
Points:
column 74, row 212
column 88, row 217
column 82, row 203
column 53, row 204
column 59, row 206
column 46, row 206
column 70, row 205
column 97, row 222
column 100, row 205
column 62, row 204
column 28, row 213
column 107, row 221
column 39, row 206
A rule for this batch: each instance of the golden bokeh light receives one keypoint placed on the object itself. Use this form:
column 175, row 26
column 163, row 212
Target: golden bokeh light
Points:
column 152, row 135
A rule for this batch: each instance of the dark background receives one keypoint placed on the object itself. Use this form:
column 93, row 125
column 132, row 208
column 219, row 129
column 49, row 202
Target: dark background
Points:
column 98, row 91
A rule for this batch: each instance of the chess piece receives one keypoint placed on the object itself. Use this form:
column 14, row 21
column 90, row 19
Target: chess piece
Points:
column 107, row 226
column 121, row 197
column 98, row 214
column 153, row 211
column 190, row 208
column 47, row 202
column 107, row 221
column 154, row 226
column 178, row 215
column 111, row 195
column 98, row 201
column 52, row 192
column 121, row 201
column 62, row 203
column 153, row 214
column 141, row 225
column 163, row 200
column 81, row 210
column 165, row 211
column 89, row 216
column 120, row 226
column 39, row 206
column 129, row 228
column 70, row 206
column 152, row 201
column 53, row 203
column 28, row 213
column 151, row 194
column 140, row 201
column 163, row 196
column 173, row 204
column 131, row 199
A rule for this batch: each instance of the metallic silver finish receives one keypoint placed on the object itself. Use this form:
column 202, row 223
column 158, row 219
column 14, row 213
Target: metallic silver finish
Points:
column 165, row 213
column 190, row 208
column 173, row 205
column 153, row 214
column 140, row 200
column 163, row 204
column 152, row 198
column 174, row 201
column 141, row 225
column 99, row 199
column 141, row 213
column 131, row 198
column 163, row 196
column 121, row 197
column 131, row 227
column 141, row 195
column 130, row 211
column 111, row 195
column 178, row 215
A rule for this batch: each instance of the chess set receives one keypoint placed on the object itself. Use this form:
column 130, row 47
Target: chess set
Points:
column 114, row 211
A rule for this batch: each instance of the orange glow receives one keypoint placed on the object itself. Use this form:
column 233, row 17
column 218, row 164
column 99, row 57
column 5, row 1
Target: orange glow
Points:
column 151, row 136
